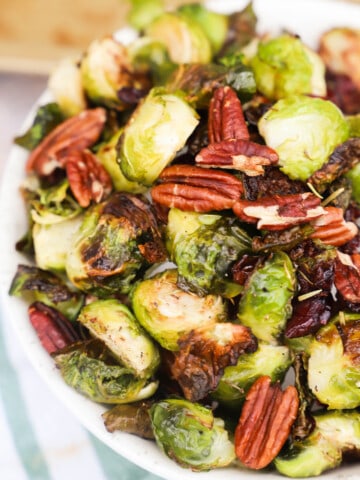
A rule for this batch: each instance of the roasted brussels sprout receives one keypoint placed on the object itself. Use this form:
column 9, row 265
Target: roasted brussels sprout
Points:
column 114, row 324
column 34, row 284
column 271, row 360
column 215, row 25
column 335, row 433
column 304, row 131
column 167, row 312
column 91, row 369
column 116, row 240
column 354, row 176
column 131, row 418
column 265, row 304
column 204, row 247
column 284, row 66
column 333, row 366
column 65, row 84
column 105, row 70
column 158, row 128
column 184, row 39
column 53, row 241
column 47, row 117
column 190, row 434
column 143, row 12
column 107, row 155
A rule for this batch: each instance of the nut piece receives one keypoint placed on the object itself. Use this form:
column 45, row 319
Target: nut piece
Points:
column 226, row 118
column 53, row 329
column 332, row 228
column 243, row 155
column 280, row 211
column 75, row 133
column 87, row 177
column 347, row 278
column 196, row 189
column 265, row 422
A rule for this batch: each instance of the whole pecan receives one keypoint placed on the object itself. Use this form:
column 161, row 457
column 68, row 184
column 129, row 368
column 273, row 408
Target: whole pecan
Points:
column 226, row 119
column 265, row 422
column 279, row 212
column 332, row 228
column 88, row 179
column 192, row 188
column 76, row 133
column 243, row 155
column 53, row 329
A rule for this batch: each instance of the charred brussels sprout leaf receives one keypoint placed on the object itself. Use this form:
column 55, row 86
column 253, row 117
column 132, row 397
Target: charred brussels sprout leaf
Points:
column 335, row 433
column 116, row 240
column 265, row 304
column 198, row 82
column 189, row 434
column 91, row 369
column 46, row 119
column 304, row 131
column 133, row 418
column 333, row 367
column 284, row 66
column 184, row 39
column 167, row 312
column 34, row 284
column 114, row 324
column 271, row 360
column 158, row 128
column 204, row 251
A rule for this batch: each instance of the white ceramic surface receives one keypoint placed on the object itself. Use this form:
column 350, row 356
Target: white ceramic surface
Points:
column 308, row 18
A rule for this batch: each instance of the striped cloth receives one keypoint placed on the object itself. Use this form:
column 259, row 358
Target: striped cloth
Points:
column 39, row 438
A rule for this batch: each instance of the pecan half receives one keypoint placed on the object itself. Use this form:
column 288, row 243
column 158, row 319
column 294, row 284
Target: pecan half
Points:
column 265, row 422
column 75, row 133
column 347, row 278
column 53, row 329
column 279, row 212
column 196, row 189
column 226, row 118
column 243, row 155
column 88, row 179
column 332, row 228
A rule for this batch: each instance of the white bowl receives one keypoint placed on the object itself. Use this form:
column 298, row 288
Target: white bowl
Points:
column 307, row 18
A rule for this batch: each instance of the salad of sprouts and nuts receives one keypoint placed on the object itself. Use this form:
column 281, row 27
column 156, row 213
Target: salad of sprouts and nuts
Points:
column 193, row 244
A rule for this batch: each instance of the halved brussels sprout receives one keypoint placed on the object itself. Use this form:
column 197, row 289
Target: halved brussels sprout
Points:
column 65, row 84
column 105, row 70
column 215, row 25
column 184, row 39
column 114, row 324
column 271, row 360
column 335, row 433
column 107, row 155
column 189, row 434
column 167, row 312
column 285, row 66
column 143, row 12
column 53, row 241
column 333, row 366
column 204, row 247
column 90, row 368
column 116, row 240
column 354, row 176
column 265, row 304
column 304, row 131
column 158, row 128
column 34, row 284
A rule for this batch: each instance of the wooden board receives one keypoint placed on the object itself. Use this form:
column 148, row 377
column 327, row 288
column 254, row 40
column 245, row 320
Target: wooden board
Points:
column 35, row 34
